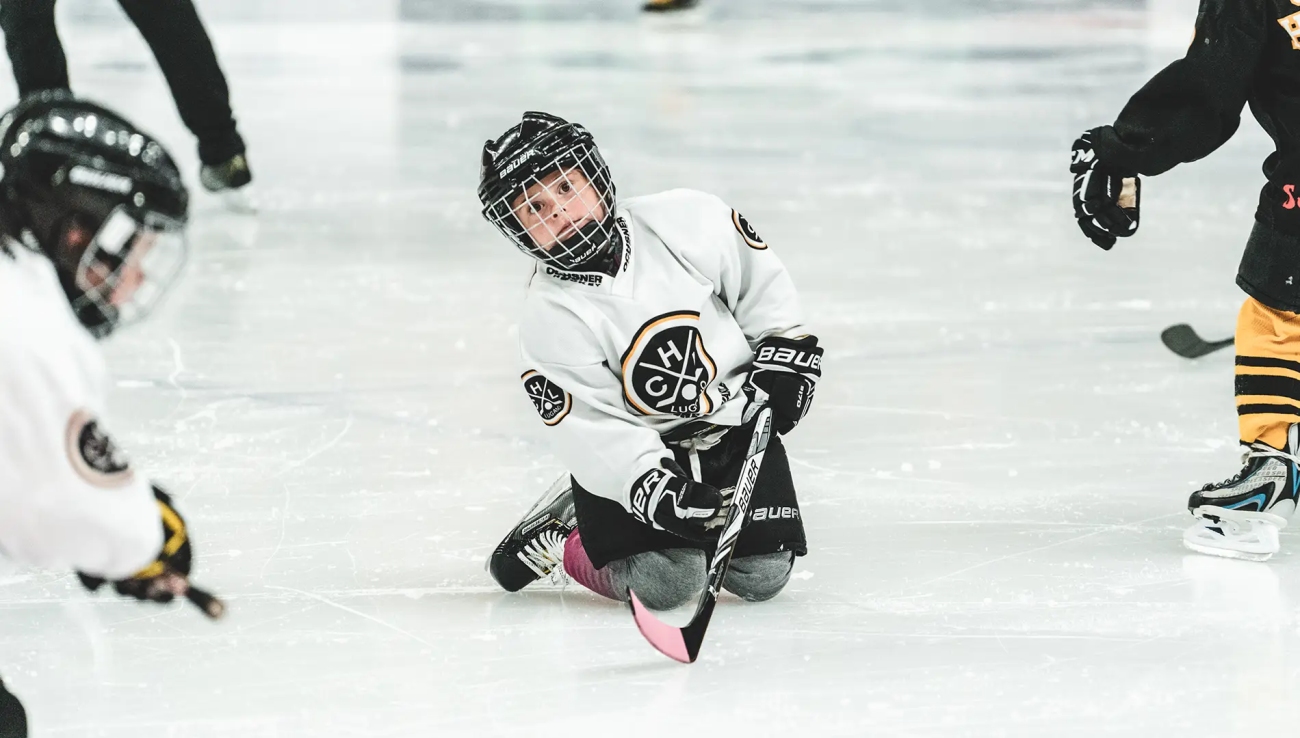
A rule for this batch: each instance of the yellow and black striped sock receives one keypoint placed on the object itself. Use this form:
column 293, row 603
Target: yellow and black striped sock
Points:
column 1268, row 373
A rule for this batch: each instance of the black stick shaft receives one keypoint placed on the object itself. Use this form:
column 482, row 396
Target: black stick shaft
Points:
column 683, row 644
column 209, row 603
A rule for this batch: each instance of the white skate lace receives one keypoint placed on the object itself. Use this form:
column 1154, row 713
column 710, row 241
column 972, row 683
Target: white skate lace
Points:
column 1248, row 453
column 545, row 556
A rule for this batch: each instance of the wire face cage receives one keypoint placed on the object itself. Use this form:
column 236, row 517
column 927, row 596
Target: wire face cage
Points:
column 554, row 200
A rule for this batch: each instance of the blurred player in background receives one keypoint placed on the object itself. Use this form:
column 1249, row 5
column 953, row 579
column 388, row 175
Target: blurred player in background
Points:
column 664, row 6
column 184, row 52
column 653, row 330
column 1244, row 51
column 92, row 217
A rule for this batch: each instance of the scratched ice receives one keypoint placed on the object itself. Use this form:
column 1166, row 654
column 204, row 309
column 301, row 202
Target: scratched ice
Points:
column 993, row 474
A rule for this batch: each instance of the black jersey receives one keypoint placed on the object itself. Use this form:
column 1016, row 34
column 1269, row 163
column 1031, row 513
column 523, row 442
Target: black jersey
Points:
column 1244, row 51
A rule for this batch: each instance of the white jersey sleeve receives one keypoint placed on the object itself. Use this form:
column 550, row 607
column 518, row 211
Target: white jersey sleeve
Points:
column 68, row 498
column 748, row 277
column 754, row 283
column 591, row 431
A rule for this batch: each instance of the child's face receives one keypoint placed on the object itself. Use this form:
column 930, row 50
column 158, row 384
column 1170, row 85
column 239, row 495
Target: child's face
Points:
column 556, row 206
column 127, row 278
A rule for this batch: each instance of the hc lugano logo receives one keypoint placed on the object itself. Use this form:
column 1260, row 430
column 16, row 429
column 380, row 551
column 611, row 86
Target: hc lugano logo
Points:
column 747, row 231
column 551, row 402
column 666, row 369
column 1291, row 24
column 93, row 455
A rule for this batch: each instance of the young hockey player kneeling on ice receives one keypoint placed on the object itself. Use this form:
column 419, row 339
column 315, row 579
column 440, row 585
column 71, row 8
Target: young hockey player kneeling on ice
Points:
column 92, row 215
column 654, row 329
column 1244, row 51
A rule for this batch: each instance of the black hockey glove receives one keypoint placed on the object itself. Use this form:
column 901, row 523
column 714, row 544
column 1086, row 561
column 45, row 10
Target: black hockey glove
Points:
column 666, row 499
column 784, row 376
column 1106, row 200
column 163, row 579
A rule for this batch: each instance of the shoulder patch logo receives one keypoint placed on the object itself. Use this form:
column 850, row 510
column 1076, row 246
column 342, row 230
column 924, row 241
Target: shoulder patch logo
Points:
column 93, row 455
column 1291, row 24
column 551, row 402
column 747, row 231
column 666, row 369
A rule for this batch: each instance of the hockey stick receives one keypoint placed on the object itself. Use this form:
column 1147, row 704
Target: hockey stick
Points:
column 1183, row 340
column 683, row 644
column 209, row 603
column 169, row 582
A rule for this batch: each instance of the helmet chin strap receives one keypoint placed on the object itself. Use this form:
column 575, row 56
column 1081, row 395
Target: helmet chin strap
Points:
column 10, row 222
column 600, row 260
column 96, row 319
column 47, row 229
column 44, row 223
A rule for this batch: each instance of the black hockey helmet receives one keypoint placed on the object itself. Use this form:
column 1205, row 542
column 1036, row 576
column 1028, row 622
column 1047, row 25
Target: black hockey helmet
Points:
column 101, row 199
column 532, row 173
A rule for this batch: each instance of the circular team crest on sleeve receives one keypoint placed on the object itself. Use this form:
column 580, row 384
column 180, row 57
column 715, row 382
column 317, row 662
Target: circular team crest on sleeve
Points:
column 551, row 402
column 93, row 455
column 667, row 370
column 747, row 231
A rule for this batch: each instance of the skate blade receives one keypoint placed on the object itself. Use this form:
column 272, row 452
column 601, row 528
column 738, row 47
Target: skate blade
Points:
column 1226, row 553
column 242, row 201
column 1258, row 541
column 1208, row 513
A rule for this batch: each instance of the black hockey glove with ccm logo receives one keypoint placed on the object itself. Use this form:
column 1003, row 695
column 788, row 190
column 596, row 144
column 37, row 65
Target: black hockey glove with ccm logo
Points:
column 784, row 376
column 163, row 579
column 666, row 499
column 1106, row 200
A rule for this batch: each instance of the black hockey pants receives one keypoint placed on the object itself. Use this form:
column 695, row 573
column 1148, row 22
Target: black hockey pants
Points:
column 180, row 44
column 13, row 719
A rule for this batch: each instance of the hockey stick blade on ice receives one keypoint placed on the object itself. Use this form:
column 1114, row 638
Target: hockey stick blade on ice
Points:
column 683, row 644
column 1183, row 340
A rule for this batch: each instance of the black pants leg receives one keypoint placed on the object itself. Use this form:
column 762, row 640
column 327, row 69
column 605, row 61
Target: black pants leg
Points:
column 33, row 45
column 184, row 52
column 13, row 719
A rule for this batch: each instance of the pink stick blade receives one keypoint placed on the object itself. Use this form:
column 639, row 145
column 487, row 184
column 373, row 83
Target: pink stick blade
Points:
column 683, row 644
column 667, row 639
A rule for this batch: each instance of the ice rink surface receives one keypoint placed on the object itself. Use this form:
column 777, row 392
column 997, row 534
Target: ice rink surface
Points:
column 993, row 476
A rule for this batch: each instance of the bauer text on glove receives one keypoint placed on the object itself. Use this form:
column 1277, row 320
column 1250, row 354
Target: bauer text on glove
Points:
column 784, row 376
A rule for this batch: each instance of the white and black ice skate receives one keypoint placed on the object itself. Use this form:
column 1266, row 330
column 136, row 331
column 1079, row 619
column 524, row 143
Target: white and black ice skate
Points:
column 535, row 548
column 1240, row 517
column 232, row 181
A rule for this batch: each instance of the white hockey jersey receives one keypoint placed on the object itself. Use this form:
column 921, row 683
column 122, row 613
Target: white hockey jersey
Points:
column 68, row 498
column 613, row 363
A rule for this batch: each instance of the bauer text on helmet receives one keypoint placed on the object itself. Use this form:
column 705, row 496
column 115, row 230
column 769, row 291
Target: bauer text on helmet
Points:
column 100, row 198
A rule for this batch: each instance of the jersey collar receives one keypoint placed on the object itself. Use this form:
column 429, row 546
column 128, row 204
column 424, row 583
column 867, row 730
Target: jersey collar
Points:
column 620, row 284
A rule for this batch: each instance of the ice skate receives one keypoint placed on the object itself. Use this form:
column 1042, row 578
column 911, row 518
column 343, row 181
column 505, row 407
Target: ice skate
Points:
column 1240, row 517
column 535, row 548
column 232, row 181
